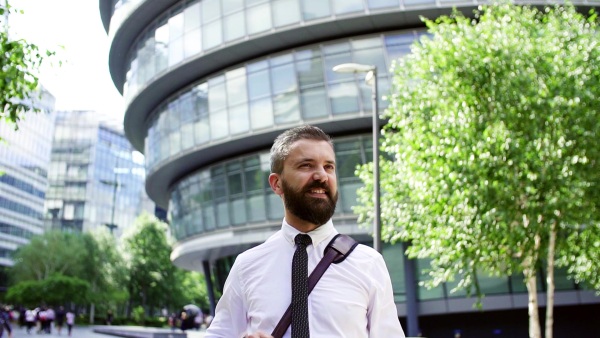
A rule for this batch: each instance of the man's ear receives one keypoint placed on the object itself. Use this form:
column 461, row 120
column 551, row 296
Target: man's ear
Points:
column 275, row 183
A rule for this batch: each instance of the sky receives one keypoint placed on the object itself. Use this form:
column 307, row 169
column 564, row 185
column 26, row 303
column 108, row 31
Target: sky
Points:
column 74, row 30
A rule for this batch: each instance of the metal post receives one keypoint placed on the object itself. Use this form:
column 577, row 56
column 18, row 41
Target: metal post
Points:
column 209, row 286
column 376, row 183
column 112, row 224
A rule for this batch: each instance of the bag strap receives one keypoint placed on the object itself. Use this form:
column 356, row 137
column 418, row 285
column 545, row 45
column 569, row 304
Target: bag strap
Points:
column 335, row 252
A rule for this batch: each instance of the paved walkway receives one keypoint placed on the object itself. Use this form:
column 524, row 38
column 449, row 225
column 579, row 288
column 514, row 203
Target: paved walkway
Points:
column 79, row 332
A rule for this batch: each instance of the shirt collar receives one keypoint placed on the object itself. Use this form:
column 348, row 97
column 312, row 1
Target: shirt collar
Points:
column 317, row 235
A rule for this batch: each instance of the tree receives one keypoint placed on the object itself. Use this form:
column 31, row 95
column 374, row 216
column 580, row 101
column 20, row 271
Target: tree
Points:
column 154, row 282
column 494, row 163
column 20, row 62
column 87, row 268
column 104, row 269
column 54, row 252
column 151, row 273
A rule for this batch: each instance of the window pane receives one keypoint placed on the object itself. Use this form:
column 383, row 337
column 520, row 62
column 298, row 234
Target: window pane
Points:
column 261, row 112
column 176, row 26
column 192, row 43
column 187, row 136
column 217, row 95
column 175, row 51
column 254, row 179
column 259, row 19
column 344, row 98
column 222, row 214
column 175, row 143
column 211, row 10
column 348, row 160
column 218, row 124
column 191, row 17
column 236, row 86
column 211, row 35
column 283, row 78
column 259, row 84
column 238, row 211
column 234, row 26
column 202, row 131
column 235, row 183
column 256, row 208
column 374, row 4
column 314, row 103
column 310, row 72
column 285, row 12
column 348, row 195
column 161, row 41
column 208, row 217
column 239, row 121
column 232, row 5
column 347, row 6
column 371, row 56
column 315, row 9
column 285, row 108
column 275, row 206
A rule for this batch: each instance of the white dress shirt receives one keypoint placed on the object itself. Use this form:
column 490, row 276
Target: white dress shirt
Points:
column 353, row 299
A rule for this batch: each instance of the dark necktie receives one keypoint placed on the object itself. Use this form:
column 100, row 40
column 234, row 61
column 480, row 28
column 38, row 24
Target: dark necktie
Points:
column 300, row 288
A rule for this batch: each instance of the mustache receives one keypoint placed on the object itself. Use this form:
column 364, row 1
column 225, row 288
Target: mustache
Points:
column 317, row 185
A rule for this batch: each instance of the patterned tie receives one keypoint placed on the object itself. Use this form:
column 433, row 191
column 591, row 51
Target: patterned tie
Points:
column 300, row 288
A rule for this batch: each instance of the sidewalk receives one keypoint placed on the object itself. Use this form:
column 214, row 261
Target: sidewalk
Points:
column 85, row 332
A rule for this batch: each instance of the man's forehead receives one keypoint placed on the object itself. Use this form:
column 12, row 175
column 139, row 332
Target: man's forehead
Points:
column 312, row 148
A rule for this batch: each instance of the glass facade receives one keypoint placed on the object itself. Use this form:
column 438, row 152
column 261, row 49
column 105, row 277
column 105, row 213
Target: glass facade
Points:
column 193, row 28
column 290, row 88
column 24, row 161
column 236, row 193
column 96, row 180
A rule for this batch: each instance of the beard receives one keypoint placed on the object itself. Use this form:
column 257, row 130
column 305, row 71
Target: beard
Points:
column 313, row 210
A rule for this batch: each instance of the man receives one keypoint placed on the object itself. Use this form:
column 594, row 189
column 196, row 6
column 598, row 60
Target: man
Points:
column 352, row 299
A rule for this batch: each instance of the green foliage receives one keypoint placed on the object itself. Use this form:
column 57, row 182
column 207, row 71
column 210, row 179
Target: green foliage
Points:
column 153, row 280
column 55, row 290
column 139, row 315
column 53, row 252
column 492, row 138
column 20, row 62
column 151, row 273
column 57, row 257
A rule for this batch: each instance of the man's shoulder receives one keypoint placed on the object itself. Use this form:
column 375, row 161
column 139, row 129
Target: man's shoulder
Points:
column 365, row 254
column 262, row 250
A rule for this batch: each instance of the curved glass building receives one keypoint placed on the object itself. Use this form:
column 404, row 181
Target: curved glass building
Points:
column 210, row 83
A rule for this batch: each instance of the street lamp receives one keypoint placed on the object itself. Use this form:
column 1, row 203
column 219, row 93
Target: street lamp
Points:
column 370, row 79
column 115, row 184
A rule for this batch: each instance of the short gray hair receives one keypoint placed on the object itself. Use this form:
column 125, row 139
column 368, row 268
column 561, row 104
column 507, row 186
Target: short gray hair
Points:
column 282, row 144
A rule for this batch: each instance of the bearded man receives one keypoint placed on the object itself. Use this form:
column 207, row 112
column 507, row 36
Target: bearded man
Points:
column 352, row 299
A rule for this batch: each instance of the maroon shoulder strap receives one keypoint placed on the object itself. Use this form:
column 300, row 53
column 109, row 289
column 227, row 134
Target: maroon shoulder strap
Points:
column 336, row 251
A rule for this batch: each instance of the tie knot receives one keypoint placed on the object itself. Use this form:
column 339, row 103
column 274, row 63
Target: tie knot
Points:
column 302, row 239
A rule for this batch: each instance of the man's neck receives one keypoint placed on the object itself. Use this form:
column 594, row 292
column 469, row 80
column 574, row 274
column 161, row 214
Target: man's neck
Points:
column 300, row 224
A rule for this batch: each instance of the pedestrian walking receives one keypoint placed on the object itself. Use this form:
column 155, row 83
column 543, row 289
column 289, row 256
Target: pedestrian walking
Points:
column 70, row 317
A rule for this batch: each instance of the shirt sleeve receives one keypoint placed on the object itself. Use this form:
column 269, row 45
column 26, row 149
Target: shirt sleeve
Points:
column 382, row 315
column 230, row 319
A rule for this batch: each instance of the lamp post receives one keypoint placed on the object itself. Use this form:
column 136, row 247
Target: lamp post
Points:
column 409, row 278
column 370, row 79
column 115, row 184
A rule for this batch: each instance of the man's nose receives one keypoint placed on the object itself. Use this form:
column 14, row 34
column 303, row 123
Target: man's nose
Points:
column 320, row 175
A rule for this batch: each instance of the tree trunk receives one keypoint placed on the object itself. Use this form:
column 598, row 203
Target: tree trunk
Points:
column 92, row 313
column 550, row 282
column 534, row 316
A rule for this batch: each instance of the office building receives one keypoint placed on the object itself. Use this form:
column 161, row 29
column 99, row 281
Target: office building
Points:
column 24, row 161
column 96, row 179
column 210, row 83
